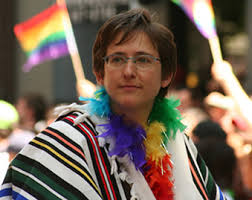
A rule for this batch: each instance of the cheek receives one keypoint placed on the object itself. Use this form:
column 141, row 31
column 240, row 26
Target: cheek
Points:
column 153, row 82
column 109, row 78
column 155, row 77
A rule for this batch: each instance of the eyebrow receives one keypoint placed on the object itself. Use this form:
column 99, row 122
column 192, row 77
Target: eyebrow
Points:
column 136, row 53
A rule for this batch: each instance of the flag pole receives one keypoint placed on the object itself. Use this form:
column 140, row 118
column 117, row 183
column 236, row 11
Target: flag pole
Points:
column 84, row 87
column 215, row 49
column 71, row 43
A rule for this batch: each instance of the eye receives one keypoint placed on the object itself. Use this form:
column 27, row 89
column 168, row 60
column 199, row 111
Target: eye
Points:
column 115, row 59
column 143, row 59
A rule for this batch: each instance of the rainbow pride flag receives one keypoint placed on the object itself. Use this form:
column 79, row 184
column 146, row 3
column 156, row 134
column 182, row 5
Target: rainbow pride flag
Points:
column 201, row 14
column 43, row 36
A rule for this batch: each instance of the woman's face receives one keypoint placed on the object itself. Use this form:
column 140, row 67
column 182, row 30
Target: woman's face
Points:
column 129, row 86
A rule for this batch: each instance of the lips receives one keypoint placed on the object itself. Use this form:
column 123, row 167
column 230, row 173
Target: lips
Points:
column 129, row 87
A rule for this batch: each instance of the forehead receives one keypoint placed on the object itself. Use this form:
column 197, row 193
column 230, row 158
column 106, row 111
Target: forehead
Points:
column 138, row 41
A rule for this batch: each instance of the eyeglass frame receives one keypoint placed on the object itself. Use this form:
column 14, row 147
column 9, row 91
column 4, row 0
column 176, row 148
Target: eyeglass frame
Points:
column 133, row 58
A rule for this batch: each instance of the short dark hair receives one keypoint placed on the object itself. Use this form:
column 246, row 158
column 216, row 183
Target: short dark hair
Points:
column 209, row 129
column 128, row 23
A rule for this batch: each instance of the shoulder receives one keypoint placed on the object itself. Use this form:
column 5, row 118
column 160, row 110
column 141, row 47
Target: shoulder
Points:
column 74, row 126
column 76, row 123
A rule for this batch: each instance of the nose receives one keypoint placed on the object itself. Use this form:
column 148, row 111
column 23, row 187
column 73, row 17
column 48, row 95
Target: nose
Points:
column 129, row 70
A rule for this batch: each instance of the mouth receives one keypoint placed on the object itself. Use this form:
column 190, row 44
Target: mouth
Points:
column 130, row 87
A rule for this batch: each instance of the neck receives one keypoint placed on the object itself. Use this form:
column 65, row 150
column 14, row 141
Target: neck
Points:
column 139, row 115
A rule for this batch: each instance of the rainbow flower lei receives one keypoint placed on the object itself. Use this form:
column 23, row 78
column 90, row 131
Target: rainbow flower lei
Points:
column 145, row 146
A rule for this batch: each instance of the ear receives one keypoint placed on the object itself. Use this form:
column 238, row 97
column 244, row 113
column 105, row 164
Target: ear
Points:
column 99, row 79
column 165, row 82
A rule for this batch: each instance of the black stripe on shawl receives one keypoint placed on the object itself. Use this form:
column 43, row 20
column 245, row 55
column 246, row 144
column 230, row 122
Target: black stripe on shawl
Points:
column 51, row 175
column 197, row 174
column 63, row 162
column 210, row 185
column 62, row 143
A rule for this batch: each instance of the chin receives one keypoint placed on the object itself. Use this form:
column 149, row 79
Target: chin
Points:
column 126, row 101
column 131, row 103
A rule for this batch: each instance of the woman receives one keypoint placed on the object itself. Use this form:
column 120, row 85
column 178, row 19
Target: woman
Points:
column 127, row 142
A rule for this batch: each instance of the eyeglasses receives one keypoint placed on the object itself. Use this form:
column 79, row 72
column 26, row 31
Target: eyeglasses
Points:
column 142, row 62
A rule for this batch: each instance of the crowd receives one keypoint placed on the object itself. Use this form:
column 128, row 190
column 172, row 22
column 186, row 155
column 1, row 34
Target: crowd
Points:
column 220, row 126
column 19, row 123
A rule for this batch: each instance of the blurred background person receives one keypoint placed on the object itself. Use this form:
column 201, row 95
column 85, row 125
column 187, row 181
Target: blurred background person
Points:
column 217, row 106
column 223, row 73
column 208, row 129
column 8, row 120
column 190, row 107
column 210, row 139
column 51, row 115
column 221, row 161
column 239, row 121
column 32, row 111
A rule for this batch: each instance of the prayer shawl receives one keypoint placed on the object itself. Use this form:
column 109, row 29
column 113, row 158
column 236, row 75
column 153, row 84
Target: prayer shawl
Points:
column 66, row 161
